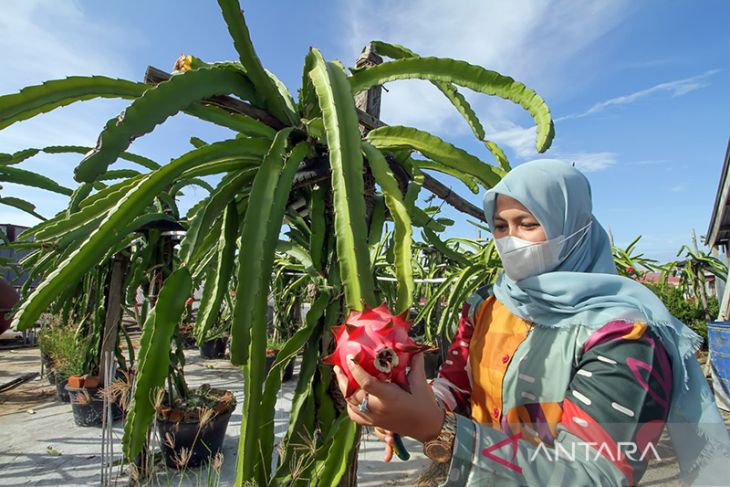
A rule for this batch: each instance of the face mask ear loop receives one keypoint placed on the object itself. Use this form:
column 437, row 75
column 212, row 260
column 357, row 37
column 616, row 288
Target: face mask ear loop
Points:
column 587, row 229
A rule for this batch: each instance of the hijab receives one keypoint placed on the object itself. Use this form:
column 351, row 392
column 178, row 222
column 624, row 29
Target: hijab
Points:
column 585, row 290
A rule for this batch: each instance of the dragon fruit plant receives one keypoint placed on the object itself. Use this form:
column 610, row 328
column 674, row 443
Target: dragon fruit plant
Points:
column 379, row 342
column 232, row 234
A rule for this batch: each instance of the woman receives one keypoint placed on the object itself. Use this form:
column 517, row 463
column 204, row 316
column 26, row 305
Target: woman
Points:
column 562, row 372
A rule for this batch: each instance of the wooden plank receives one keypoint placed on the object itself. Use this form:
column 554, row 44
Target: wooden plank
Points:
column 113, row 312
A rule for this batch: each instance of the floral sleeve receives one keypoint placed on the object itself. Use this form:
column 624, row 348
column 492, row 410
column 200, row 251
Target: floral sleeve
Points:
column 614, row 411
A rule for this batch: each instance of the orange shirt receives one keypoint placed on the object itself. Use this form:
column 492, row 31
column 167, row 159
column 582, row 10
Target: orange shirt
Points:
column 497, row 334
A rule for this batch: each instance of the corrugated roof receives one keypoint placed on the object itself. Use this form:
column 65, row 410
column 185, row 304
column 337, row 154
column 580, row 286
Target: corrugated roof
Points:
column 719, row 231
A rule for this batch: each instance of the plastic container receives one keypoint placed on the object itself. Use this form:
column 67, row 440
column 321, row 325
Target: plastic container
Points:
column 718, row 337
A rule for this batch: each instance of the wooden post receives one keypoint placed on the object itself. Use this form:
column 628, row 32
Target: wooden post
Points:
column 369, row 102
column 113, row 312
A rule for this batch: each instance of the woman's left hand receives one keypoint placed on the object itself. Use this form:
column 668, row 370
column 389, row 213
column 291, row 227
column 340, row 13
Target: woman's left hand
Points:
column 415, row 414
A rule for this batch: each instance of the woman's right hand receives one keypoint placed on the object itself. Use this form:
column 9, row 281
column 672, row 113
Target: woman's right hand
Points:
column 387, row 438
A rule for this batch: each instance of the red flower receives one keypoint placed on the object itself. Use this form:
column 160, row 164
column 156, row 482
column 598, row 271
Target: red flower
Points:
column 189, row 301
column 630, row 270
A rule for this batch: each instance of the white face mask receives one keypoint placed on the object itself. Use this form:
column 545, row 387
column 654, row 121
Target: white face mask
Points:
column 522, row 259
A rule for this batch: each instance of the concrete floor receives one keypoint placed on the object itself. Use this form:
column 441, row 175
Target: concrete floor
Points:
column 32, row 423
column 33, row 426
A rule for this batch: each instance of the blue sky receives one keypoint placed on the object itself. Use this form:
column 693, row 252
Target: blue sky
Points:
column 639, row 90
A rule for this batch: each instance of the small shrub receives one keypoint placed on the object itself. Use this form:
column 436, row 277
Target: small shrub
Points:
column 67, row 352
column 688, row 310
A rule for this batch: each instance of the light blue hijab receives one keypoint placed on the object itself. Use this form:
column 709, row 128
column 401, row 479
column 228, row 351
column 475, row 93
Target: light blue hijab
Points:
column 585, row 290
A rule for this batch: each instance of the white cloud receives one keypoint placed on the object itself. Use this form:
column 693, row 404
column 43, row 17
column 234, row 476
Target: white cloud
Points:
column 47, row 39
column 520, row 139
column 586, row 161
column 674, row 88
column 680, row 188
column 530, row 40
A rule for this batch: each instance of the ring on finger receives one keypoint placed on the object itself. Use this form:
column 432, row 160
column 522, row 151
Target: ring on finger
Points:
column 363, row 406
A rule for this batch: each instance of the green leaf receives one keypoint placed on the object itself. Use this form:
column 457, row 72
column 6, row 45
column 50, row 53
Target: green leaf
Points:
column 307, row 94
column 330, row 469
column 260, row 233
column 210, row 308
column 273, row 379
column 343, row 138
column 110, row 230
column 17, row 157
column 469, row 181
column 22, row 205
column 234, row 121
column 499, row 155
column 229, row 187
column 32, row 100
column 396, row 137
column 251, row 265
column 175, row 188
column 444, row 249
column 136, row 158
column 467, row 75
column 318, row 225
column 377, row 223
column 266, row 86
column 403, row 235
column 395, row 51
column 89, row 210
column 155, row 106
column 28, row 178
column 154, row 358
column 118, row 174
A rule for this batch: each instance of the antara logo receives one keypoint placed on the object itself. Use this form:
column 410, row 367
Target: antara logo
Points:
column 592, row 451
column 512, row 440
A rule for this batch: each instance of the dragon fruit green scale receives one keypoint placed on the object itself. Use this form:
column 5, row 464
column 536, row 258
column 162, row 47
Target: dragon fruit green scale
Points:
column 379, row 342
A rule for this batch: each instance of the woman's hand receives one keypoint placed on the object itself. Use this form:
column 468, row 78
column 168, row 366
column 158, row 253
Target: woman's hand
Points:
column 387, row 438
column 415, row 414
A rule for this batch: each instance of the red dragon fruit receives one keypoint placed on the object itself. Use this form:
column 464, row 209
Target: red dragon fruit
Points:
column 379, row 342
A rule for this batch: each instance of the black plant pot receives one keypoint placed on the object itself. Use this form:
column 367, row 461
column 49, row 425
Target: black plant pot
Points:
column 288, row 370
column 214, row 349
column 61, row 392
column 206, row 445
column 88, row 407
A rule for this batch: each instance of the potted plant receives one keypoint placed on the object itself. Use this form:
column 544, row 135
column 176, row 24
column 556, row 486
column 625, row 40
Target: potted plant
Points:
column 273, row 347
column 214, row 347
column 63, row 354
column 191, row 423
column 215, row 341
column 192, row 428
